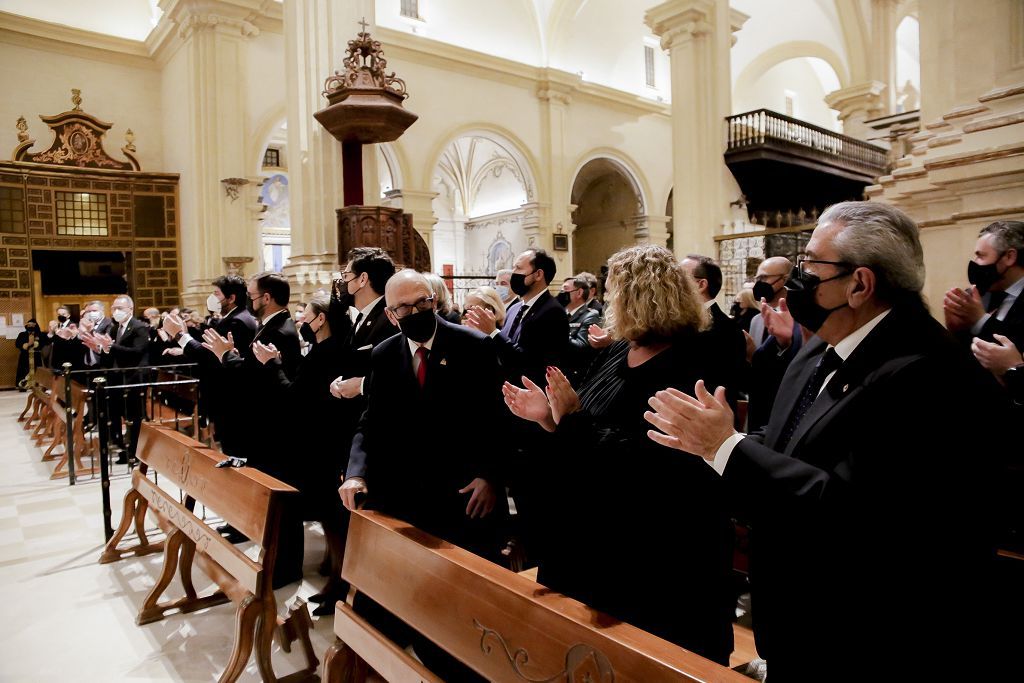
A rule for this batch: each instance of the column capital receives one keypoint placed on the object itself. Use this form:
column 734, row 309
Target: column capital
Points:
column 863, row 97
column 557, row 87
column 231, row 18
column 680, row 21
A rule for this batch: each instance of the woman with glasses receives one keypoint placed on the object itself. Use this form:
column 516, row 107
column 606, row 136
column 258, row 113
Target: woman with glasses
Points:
column 629, row 529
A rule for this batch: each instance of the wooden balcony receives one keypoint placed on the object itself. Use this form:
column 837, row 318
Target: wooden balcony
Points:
column 783, row 163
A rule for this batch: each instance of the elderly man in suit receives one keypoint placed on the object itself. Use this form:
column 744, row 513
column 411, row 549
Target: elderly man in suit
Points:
column 535, row 337
column 405, row 464
column 574, row 297
column 858, row 474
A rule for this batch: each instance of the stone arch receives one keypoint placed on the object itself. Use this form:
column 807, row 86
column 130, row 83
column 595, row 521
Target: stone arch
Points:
column 500, row 136
column 264, row 132
column 629, row 168
column 786, row 51
column 610, row 211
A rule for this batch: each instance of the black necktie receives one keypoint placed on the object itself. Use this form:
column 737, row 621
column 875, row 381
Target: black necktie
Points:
column 515, row 323
column 120, row 331
column 828, row 363
column 995, row 300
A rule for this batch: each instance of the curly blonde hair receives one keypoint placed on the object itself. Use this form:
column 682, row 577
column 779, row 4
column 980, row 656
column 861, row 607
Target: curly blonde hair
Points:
column 651, row 297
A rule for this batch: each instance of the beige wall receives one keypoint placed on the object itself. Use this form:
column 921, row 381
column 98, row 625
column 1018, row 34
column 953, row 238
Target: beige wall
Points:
column 38, row 82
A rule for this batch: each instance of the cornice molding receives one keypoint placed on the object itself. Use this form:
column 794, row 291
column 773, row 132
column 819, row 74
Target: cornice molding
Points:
column 41, row 35
column 546, row 83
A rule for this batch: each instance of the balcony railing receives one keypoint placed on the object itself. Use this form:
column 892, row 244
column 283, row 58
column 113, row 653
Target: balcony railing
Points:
column 768, row 129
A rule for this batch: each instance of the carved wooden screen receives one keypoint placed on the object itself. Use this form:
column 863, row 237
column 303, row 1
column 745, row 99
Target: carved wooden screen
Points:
column 74, row 196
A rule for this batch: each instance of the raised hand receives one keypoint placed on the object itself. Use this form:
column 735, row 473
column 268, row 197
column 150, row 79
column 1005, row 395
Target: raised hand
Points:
column 696, row 425
column 173, row 324
column 481, row 319
column 778, row 323
column 529, row 403
column 216, row 343
column 264, row 352
column 561, row 396
column 481, row 502
column 598, row 337
column 997, row 357
column 962, row 308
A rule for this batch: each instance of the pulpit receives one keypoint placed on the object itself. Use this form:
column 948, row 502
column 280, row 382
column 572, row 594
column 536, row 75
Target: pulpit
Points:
column 365, row 107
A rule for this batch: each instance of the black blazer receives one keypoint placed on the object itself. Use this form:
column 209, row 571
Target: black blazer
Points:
column 372, row 331
column 579, row 353
column 412, row 467
column 541, row 341
column 874, row 479
column 215, row 385
column 130, row 350
column 1011, row 326
column 730, row 346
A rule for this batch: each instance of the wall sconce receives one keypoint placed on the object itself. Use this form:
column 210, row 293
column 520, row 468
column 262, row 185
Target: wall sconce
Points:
column 231, row 186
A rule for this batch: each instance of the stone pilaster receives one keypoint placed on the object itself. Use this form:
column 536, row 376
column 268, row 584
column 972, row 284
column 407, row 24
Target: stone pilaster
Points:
column 858, row 103
column 698, row 35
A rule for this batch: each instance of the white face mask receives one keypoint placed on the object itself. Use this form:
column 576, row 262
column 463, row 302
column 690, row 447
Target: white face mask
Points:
column 120, row 315
column 213, row 304
column 95, row 316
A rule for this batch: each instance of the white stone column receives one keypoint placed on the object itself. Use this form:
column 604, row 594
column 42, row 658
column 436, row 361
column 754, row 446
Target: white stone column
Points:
column 883, row 51
column 651, row 230
column 698, row 36
column 316, row 34
column 555, row 92
column 858, row 103
column 213, row 99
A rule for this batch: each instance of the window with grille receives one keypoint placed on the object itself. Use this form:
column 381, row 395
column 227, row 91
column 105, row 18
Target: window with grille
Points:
column 411, row 9
column 12, row 209
column 272, row 158
column 81, row 213
column 649, row 65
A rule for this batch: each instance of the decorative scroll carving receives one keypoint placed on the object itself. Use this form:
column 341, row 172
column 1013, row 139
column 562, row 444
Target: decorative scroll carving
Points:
column 583, row 664
column 78, row 141
column 365, row 67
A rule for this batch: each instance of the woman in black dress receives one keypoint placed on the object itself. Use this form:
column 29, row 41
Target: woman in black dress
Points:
column 631, row 529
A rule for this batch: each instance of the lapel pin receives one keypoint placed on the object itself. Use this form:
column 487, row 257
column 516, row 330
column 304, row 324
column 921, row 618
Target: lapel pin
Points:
column 846, row 387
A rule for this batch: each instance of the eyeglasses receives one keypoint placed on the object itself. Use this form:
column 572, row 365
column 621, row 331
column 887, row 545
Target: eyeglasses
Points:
column 402, row 310
column 348, row 272
column 801, row 265
column 766, row 278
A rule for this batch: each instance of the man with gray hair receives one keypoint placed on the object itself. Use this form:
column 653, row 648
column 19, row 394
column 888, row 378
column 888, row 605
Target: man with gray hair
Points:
column 994, row 305
column 858, row 471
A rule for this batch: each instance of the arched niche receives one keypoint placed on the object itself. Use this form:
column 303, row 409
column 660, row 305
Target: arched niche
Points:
column 482, row 181
column 908, row 65
column 609, row 212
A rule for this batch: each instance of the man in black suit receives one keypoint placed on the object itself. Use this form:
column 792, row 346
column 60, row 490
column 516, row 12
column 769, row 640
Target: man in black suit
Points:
column 574, row 297
column 994, row 305
column 859, row 475
column 536, row 337
column 123, row 345
column 729, row 342
column 404, row 463
column 593, row 302
column 217, row 400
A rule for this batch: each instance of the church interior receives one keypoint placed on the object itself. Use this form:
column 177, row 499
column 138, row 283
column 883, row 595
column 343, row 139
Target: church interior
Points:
column 149, row 147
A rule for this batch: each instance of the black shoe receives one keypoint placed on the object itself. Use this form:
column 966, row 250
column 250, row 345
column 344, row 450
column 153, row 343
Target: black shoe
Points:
column 232, row 534
column 318, row 598
column 122, row 459
column 325, row 609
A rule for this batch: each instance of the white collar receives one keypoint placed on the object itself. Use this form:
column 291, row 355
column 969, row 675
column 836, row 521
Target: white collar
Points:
column 267, row 319
column 532, row 301
column 573, row 311
column 850, row 342
column 1016, row 288
column 413, row 346
column 708, row 304
column 369, row 307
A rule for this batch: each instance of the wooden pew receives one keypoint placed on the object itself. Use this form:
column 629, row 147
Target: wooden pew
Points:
column 249, row 500
column 42, row 391
column 81, row 448
column 498, row 623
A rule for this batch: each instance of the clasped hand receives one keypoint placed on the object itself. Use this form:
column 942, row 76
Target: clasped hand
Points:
column 481, row 319
column 264, row 352
column 216, row 343
column 481, row 500
column 546, row 406
column 695, row 425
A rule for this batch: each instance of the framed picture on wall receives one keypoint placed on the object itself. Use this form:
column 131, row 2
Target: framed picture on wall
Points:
column 561, row 242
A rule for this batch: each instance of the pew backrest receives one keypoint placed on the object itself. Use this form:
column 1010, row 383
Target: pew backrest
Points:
column 503, row 625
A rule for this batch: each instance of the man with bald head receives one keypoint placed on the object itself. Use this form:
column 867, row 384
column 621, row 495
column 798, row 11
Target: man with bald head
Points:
column 769, row 288
column 404, row 461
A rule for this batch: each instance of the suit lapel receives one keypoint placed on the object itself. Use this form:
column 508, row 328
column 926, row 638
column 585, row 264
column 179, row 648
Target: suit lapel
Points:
column 793, row 383
column 437, row 357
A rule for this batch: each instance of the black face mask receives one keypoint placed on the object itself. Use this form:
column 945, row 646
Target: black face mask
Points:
column 983, row 277
column 735, row 310
column 30, row 329
column 517, row 283
column 419, row 326
column 563, row 299
column 307, row 333
column 805, row 310
column 252, row 307
column 62, row 319
column 763, row 290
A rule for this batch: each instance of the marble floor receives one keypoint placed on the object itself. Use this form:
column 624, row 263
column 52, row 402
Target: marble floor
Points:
column 66, row 617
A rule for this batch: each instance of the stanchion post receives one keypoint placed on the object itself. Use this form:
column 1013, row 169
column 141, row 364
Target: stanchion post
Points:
column 102, row 422
column 69, row 414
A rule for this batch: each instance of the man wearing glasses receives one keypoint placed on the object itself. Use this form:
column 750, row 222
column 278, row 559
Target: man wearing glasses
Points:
column 403, row 457
column 859, row 474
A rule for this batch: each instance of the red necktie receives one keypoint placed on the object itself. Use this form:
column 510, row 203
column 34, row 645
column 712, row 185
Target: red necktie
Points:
column 421, row 369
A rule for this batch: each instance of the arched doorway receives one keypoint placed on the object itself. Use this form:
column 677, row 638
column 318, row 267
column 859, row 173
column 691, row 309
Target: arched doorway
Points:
column 609, row 210
column 483, row 182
